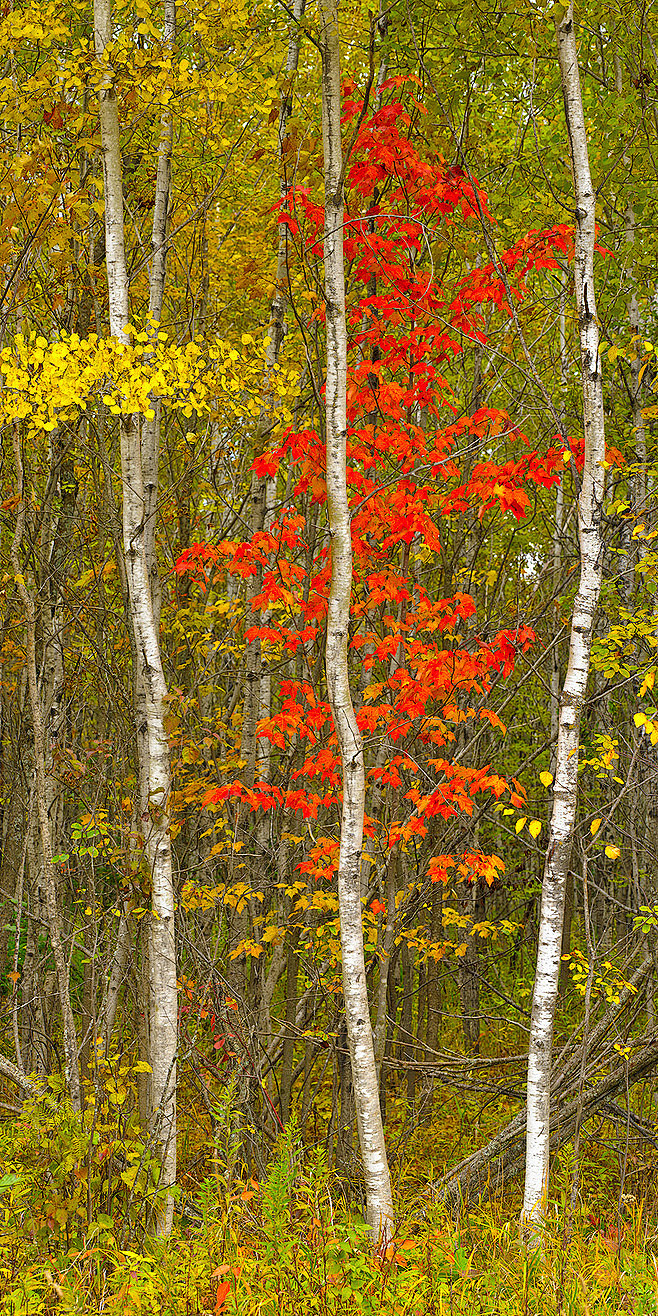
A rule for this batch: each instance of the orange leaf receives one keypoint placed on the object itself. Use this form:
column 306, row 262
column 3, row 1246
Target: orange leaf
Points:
column 223, row 1291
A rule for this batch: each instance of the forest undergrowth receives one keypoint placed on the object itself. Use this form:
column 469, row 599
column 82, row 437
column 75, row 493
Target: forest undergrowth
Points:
column 76, row 1191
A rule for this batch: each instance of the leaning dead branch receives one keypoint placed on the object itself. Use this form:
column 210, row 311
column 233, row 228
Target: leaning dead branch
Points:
column 491, row 1168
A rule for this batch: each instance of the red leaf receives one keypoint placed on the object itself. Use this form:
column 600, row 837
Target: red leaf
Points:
column 54, row 117
column 267, row 464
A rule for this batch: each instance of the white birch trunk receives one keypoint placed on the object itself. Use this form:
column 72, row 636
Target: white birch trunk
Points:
column 359, row 1031
column 158, row 273
column 557, row 540
column 155, row 774
column 575, row 684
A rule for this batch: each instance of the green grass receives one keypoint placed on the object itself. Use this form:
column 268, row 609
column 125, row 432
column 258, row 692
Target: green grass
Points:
column 296, row 1245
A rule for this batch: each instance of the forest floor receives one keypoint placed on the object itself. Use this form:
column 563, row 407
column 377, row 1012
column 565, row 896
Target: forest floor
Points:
column 295, row 1242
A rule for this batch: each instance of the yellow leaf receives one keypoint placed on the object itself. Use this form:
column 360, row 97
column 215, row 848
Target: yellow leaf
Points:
column 612, row 851
column 546, row 778
column 520, row 824
column 85, row 579
column 648, row 681
column 594, row 825
column 274, row 934
column 638, row 719
column 534, row 828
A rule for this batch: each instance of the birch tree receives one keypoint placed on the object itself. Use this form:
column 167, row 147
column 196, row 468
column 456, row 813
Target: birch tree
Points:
column 590, row 509
column 138, row 512
column 379, row 1203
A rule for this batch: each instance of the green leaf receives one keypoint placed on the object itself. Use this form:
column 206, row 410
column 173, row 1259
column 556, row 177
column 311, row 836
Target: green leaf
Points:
column 9, row 1181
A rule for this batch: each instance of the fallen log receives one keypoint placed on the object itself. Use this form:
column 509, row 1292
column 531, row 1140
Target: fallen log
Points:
column 16, row 1075
column 490, row 1169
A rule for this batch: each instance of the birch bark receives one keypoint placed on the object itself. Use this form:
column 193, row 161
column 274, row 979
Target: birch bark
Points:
column 154, row 767
column 379, row 1203
column 575, row 684
column 151, row 428
column 557, row 536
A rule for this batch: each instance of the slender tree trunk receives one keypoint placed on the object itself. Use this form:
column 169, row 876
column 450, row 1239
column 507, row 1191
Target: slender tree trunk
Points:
column 345, row 1134
column 575, row 684
column 155, row 774
column 406, row 1045
column 41, row 793
column 467, row 971
column 565, row 946
column 563, row 980
column 291, row 1030
column 364, row 1069
column 433, row 977
column 638, row 481
column 385, row 950
column 557, row 539
column 256, row 691
column 158, row 272
column 118, row 971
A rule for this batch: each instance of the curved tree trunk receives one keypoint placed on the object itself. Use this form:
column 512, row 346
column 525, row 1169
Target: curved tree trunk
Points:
column 575, row 684
column 359, row 1030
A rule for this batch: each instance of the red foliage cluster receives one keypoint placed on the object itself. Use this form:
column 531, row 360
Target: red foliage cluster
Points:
column 417, row 459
